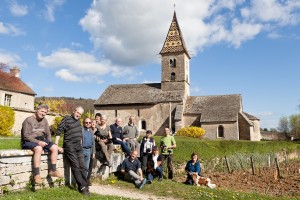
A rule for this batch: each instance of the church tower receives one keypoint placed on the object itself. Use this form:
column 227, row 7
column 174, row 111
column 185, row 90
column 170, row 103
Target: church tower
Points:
column 175, row 61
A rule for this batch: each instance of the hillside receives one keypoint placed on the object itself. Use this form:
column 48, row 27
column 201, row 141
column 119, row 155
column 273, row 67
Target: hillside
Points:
column 87, row 104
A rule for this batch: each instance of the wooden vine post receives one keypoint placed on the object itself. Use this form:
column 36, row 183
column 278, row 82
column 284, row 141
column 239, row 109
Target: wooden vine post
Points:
column 277, row 167
column 228, row 165
column 252, row 165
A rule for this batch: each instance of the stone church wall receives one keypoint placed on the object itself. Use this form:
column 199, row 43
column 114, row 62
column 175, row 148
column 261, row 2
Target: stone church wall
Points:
column 156, row 117
column 230, row 130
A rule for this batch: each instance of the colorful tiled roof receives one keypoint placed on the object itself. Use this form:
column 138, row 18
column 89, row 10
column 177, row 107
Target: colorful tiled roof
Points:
column 174, row 42
column 11, row 83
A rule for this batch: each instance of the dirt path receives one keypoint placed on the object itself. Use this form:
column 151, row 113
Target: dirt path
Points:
column 127, row 193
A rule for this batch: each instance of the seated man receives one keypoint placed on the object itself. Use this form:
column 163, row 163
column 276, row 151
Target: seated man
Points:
column 131, row 168
column 35, row 135
column 131, row 135
column 192, row 167
column 154, row 167
column 117, row 136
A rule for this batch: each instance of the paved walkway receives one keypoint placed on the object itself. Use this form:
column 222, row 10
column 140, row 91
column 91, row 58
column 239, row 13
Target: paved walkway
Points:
column 127, row 193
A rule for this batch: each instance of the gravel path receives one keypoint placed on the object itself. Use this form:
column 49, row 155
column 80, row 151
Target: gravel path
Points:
column 127, row 193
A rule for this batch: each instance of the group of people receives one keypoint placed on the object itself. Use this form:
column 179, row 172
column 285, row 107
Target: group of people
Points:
column 96, row 139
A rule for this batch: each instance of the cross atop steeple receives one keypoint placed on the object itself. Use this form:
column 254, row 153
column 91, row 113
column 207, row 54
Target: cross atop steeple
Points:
column 174, row 42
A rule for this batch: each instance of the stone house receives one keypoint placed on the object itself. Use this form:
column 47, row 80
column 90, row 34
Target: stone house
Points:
column 169, row 104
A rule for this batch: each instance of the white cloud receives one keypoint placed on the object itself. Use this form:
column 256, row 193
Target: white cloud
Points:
column 149, row 81
column 18, row 10
column 76, row 44
column 51, row 5
column 11, row 59
column 10, row 29
column 81, row 66
column 131, row 32
column 195, row 89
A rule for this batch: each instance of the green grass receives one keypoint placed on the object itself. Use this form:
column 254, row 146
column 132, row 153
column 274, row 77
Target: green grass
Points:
column 15, row 142
column 53, row 194
column 209, row 149
column 167, row 188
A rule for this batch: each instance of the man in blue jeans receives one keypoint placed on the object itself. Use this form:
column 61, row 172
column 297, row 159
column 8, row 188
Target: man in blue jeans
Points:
column 131, row 168
column 154, row 167
column 88, row 144
column 117, row 136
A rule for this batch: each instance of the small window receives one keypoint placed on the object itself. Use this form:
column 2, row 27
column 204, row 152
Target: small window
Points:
column 173, row 62
column 7, row 100
column 220, row 131
column 144, row 125
column 116, row 113
column 173, row 76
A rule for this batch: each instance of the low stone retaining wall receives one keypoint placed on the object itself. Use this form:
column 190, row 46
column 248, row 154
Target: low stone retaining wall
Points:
column 16, row 170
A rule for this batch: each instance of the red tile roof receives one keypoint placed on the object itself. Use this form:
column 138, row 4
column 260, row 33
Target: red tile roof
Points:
column 14, row 84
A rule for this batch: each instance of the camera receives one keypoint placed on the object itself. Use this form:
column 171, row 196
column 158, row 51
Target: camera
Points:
column 163, row 147
column 148, row 150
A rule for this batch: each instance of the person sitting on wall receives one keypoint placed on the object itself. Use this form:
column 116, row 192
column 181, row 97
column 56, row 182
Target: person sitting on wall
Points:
column 117, row 136
column 131, row 135
column 35, row 135
column 131, row 168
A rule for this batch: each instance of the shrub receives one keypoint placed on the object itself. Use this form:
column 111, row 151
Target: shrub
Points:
column 192, row 131
column 7, row 120
column 54, row 126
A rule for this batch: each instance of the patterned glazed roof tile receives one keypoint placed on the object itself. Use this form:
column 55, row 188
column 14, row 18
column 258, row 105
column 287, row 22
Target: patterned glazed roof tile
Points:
column 174, row 42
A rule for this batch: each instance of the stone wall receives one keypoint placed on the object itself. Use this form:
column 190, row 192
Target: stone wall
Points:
column 230, row 130
column 16, row 170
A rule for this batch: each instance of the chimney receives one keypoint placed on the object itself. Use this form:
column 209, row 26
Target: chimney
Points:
column 15, row 71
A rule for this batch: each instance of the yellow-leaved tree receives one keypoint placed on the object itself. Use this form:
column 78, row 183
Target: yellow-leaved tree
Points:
column 7, row 120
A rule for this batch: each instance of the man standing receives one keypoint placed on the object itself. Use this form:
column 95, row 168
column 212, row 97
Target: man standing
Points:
column 35, row 135
column 131, row 135
column 167, row 144
column 117, row 136
column 71, row 128
column 88, row 144
column 131, row 168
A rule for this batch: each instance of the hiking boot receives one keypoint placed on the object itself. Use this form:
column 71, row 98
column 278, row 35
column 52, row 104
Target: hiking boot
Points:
column 142, row 183
column 37, row 179
column 55, row 174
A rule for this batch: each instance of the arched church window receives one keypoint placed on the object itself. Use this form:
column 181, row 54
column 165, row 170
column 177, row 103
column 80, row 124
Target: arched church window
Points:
column 144, row 124
column 221, row 131
column 173, row 62
column 173, row 76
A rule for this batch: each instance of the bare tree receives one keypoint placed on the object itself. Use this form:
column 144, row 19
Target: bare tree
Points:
column 295, row 125
column 284, row 125
column 3, row 66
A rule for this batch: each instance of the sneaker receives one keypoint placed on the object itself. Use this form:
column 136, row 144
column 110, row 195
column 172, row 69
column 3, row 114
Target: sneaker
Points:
column 142, row 183
column 55, row 174
column 150, row 181
column 37, row 179
column 160, row 179
column 84, row 191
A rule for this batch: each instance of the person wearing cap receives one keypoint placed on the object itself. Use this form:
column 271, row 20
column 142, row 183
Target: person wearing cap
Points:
column 154, row 165
column 131, row 168
column 146, row 148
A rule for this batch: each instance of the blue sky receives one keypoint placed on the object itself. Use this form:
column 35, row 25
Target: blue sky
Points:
column 247, row 47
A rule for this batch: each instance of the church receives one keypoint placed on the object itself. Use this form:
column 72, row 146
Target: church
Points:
column 169, row 104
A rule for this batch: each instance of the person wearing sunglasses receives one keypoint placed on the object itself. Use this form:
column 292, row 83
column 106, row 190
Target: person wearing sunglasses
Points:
column 88, row 144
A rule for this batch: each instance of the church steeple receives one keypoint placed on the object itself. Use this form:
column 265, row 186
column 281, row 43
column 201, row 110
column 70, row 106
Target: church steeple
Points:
column 175, row 61
column 174, row 42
